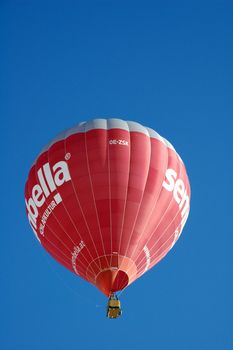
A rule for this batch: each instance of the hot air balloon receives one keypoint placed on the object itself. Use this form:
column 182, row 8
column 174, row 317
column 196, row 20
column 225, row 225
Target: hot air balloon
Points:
column 108, row 199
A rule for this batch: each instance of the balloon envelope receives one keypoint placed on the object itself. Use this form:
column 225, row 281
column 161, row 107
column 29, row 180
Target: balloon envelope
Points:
column 108, row 199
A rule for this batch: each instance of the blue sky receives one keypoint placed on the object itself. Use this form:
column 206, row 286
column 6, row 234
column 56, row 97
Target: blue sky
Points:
column 168, row 65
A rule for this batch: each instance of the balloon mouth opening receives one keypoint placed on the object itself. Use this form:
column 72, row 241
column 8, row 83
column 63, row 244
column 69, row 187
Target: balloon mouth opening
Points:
column 111, row 280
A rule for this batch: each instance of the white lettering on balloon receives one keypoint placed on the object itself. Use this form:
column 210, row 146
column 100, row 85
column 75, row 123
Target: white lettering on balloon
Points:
column 177, row 186
column 48, row 181
column 75, row 253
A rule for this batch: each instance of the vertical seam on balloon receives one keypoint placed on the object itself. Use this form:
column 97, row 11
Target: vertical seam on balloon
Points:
column 126, row 192
column 152, row 210
column 88, row 166
column 53, row 233
column 46, row 238
column 167, row 208
column 164, row 231
column 109, row 189
column 141, row 269
column 149, row 216
column 71, row 220
column 139, row 206
column 161, row 218
column 53, row 214
column 151, row 213
column 88, row 229
column 178, row 212
column 164, row 252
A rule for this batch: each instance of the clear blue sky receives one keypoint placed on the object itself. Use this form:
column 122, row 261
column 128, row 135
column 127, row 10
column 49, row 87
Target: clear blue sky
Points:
column 168, row 65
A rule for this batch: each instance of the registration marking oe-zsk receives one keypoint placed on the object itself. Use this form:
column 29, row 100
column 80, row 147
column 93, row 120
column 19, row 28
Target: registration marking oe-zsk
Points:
column 119, row 142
